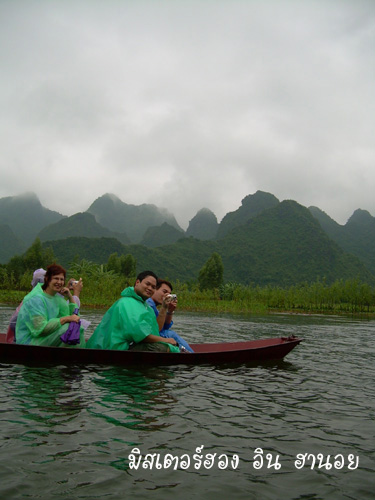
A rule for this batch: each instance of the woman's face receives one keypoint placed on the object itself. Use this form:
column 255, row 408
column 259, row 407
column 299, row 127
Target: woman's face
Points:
column 55, row 284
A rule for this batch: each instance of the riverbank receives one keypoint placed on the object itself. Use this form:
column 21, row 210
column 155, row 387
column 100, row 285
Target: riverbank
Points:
column 193, row 302
column 341, row 297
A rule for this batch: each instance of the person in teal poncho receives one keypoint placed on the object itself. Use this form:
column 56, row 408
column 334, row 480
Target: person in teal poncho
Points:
column 45, row 314
column 131, row 323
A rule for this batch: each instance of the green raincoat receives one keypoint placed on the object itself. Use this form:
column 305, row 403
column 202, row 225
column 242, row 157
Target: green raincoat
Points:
column 38, row 321
column 129, row 320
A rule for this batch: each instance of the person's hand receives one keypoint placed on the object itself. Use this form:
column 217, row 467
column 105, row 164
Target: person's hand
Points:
column 66, row 292
column 167, row 300
column 170, row 341
column 77, row 287
column 172, row 305
column 169, row 303
column 73, row 318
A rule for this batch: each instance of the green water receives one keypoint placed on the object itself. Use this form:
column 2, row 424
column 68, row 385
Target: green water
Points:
column 67, row 432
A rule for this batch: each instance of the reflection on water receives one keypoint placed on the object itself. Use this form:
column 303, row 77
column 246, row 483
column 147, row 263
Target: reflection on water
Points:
column 67, row 431
column 49, row 391
column 132, row 399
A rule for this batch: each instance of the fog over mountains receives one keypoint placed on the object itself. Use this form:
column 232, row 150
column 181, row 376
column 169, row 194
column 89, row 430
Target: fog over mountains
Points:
column 264, row 240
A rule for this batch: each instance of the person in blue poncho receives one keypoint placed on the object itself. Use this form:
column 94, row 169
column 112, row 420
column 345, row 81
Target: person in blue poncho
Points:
column 131, row 323
column 162, row 297
column 45, row 314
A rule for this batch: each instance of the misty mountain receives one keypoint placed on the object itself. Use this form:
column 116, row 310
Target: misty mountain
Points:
column 26, row 216
column 251, row 206
column 180, row 260
column 357, row 236
column 263, row 241
column 133, row 220
column 203, row 225
column 81, row 224
column 161, row 235
column 283, row 246
column 286, row 245
column 75, row 248
column 10, row 244
column 330, row 226
column 360, row 241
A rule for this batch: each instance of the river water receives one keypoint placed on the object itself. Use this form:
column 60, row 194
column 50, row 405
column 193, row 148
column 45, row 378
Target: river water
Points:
column 67, row 431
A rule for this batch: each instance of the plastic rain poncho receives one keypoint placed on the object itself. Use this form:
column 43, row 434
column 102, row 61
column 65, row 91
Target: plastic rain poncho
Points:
column 38, row 321
column 129, row 320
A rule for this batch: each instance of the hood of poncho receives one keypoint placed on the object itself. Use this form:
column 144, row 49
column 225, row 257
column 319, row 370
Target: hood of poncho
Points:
column 130, row 292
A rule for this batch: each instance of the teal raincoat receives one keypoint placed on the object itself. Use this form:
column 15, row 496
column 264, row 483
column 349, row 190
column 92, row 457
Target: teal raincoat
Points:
column 129, row 320
column 38, row 321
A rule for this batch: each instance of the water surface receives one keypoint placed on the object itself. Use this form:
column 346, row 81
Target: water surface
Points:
column 67, row 431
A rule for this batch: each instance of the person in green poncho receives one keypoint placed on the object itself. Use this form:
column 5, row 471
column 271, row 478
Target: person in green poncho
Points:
column 45, row 314
column 131, row 323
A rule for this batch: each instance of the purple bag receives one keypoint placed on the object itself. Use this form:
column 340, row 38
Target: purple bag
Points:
column 71, row 336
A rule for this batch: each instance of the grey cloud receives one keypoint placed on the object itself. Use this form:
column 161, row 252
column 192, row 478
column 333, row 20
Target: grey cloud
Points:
column 194, row 103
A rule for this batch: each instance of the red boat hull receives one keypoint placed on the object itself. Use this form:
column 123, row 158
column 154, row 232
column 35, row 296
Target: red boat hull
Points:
column 221, row 353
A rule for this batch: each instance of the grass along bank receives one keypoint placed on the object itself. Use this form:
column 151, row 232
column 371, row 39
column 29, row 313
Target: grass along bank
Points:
column 341, row 297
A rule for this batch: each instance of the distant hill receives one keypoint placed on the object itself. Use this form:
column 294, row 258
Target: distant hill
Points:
column 203, row 225
column 251, row 206
column 182, row 260
column 286, row 245
column 26, row 216
column 74, row 248
column 81, row 224
column 161, row 235
column 263, row 241
column 330, row 226
column 133, row 220
column 361, row 242
column 357, row 236
column 283, row 246
column 10, row 244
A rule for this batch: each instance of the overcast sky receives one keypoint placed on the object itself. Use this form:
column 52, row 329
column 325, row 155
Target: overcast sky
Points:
column 189, row 104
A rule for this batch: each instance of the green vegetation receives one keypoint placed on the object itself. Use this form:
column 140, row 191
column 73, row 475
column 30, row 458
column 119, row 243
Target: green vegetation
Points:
column 104, row 283
column 211, row 274
column 265, row 242
column 165, row 234
column 207, row 288
column 10, row 243
column 357, row 237
column 125, row 265
column 282, row 246
column 16, row 274
column 342, row 297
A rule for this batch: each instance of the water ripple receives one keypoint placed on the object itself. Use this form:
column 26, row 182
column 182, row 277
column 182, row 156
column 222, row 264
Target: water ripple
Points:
column 67, row 431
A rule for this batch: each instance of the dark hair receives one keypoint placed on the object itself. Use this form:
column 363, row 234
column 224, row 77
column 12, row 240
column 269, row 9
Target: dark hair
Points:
column 161, row 282
column 141, row 276
column 52, row 270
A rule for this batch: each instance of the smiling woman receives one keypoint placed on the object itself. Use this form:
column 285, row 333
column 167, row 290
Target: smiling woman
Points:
column 45, row 315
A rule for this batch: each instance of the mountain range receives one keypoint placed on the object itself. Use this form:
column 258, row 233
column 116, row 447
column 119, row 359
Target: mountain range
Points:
column 264, row 241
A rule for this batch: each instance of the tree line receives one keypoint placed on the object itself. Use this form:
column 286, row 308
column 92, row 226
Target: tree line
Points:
column 103, row 284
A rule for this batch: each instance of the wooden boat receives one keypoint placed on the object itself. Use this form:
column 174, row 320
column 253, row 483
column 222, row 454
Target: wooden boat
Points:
column 228, row 352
